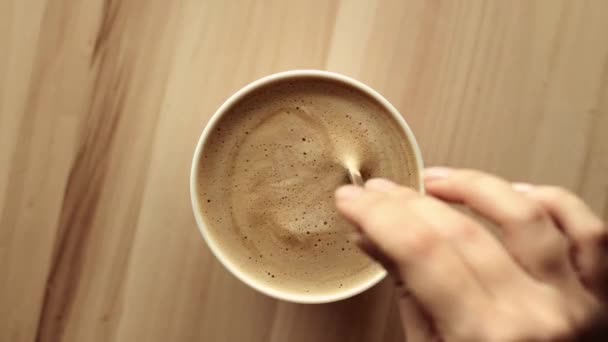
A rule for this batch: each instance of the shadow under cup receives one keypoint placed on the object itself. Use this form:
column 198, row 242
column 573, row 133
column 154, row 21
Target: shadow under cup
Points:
column 225, row 252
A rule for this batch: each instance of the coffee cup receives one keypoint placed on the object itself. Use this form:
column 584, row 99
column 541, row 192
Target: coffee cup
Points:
column 217, row 211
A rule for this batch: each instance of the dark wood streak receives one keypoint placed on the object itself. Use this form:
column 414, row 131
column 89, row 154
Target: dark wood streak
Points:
column 83, row 190
column 110, row 12
column 114, row 58
column 80, row 200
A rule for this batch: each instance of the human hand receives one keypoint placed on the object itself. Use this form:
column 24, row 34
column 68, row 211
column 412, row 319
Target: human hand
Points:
column 543, row 280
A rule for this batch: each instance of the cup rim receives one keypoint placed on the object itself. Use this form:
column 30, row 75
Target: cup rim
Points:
column 202, row 227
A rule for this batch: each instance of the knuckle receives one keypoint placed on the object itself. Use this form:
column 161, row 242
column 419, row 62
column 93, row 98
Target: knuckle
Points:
column 551, row 194
column 557, row 328
column 464, row 229
column 422, row 202
column 476, row 179
column 583, row 309
column 595, row 234
column 501, row 333
column 546, row 328
column 376, row 217
column 525, row 332
column 404, row 194
column 530, row 212
column 505, row 326
column 497, row 329
column 421, row 243
column 465, row 333
column 382, row 214
column 470, row 176
column 550, row 318
column 555, row 193
column 420, row 205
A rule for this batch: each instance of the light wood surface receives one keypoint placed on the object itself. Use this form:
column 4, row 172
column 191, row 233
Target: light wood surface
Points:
column 102, row 102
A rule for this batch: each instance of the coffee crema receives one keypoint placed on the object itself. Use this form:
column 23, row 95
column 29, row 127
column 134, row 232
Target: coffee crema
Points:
column 267, row 175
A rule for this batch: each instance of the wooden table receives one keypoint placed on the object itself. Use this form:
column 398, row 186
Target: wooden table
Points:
column 102, row 102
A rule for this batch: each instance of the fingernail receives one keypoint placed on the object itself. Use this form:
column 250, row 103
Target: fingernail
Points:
column 522, row 187
column 348, row 192
column 438, row 172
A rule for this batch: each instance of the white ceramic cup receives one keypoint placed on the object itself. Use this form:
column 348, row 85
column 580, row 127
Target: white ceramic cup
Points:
column 216, row 249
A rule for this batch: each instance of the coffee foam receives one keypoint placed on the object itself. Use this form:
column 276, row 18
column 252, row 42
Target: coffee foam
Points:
column 269, row 170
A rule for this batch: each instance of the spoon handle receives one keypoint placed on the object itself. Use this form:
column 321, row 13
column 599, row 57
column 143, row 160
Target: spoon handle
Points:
column 355, row 177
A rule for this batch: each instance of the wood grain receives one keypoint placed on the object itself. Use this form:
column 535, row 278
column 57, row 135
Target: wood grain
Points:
column 102, row 102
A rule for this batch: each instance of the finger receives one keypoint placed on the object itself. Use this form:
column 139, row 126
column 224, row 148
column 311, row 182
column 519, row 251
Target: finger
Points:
column 415, row 322
column 489, row 195
column 480, row 250
column 428, row 265
column 528, row 232
column 379, row 216
column 351, row 192
column 586, row 231
column 360, row 239
column 417, row 325
column 487, row 258
column 347, row 195
column 483, row 253
column 384, row 186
